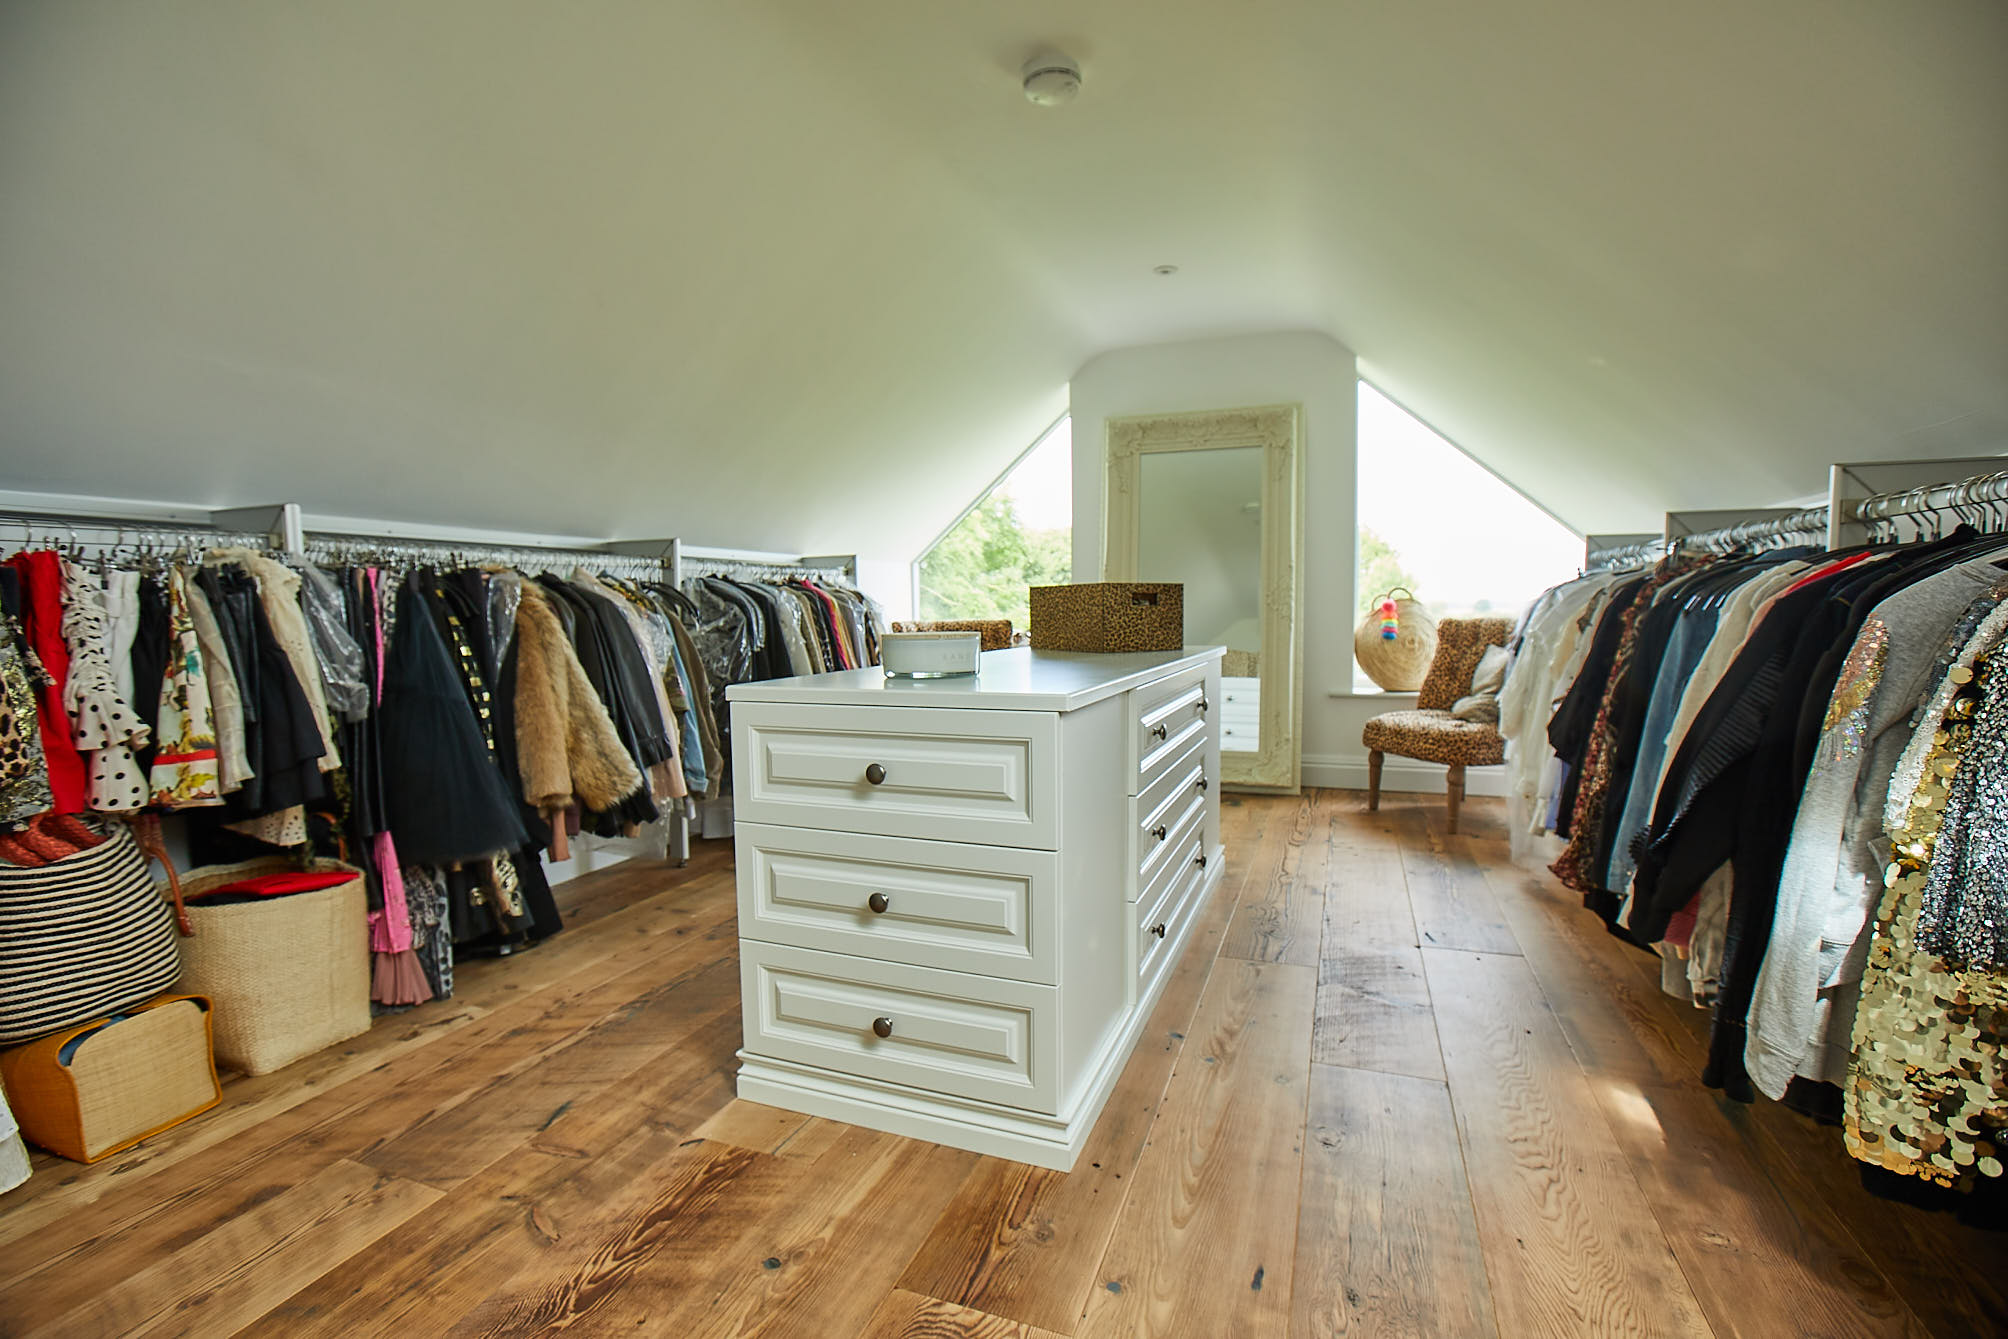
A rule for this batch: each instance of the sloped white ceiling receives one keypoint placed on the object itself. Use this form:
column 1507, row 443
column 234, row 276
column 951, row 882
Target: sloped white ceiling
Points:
column 788, row 273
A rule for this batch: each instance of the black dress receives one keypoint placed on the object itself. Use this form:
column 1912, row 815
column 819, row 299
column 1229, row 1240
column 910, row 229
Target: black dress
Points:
column 444, row 796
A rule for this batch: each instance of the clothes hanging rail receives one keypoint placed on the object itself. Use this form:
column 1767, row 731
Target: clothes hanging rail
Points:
column 81, row 535
column 535, row 558
column 765, row 566
column 1981, row 500
column 1746, row 534
column 1626, row 556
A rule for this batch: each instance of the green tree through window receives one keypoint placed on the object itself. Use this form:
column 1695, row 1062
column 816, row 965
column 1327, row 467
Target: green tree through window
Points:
column 1380, row 570
column 1018, row 536
column 984, row 567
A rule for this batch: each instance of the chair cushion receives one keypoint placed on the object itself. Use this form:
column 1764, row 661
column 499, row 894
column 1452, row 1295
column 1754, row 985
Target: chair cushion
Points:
column 1482, row 704
column 1460, row 643
column 1435, row 736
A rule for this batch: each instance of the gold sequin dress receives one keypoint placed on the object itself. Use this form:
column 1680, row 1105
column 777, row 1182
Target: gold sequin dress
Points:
column 1927, row 1091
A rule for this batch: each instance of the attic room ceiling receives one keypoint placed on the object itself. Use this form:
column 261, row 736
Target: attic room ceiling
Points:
column 786, row 273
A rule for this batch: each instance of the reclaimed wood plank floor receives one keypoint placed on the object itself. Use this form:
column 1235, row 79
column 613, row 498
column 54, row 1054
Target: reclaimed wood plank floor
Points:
column 1396, row 1086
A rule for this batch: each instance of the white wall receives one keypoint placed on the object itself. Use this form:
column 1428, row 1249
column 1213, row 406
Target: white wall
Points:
column 1319, row 373
column 890, row 582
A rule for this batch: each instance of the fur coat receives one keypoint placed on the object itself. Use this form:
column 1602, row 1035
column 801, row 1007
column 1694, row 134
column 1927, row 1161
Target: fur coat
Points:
column 566, row 744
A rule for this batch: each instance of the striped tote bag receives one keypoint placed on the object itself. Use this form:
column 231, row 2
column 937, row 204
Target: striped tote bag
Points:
column 81, row 938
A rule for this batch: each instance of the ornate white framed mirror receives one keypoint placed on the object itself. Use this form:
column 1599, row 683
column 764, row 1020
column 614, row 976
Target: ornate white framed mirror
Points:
column 1211, row 500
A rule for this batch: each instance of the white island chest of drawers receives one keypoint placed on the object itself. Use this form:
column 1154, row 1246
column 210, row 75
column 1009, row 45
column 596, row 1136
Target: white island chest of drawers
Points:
column 959, row 898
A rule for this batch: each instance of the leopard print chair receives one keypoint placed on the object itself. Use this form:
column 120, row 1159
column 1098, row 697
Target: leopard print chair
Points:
column 1430, row 733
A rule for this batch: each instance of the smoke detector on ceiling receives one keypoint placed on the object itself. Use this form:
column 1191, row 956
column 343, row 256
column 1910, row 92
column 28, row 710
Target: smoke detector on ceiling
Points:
column 1051, row 78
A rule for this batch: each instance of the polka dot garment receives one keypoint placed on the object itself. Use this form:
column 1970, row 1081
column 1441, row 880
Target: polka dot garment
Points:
column 103, row 727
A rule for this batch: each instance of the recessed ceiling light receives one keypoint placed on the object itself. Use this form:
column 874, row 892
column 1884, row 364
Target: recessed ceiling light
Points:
column 1165, row 270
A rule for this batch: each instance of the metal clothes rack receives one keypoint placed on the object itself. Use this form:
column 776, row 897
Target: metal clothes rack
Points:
column 1981, row 501
column 530, row 558
column 1610, row 557
column 84, row 526
column 82, row 538
column 92, row 532
column 1765, row 530
column 747, row 563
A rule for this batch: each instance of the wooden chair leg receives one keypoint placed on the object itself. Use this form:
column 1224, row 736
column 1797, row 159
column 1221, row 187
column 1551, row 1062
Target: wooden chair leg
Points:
column 1374, row 759
column 1454, row 793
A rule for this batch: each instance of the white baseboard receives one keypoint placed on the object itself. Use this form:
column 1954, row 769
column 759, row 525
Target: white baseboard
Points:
column 1348, row 771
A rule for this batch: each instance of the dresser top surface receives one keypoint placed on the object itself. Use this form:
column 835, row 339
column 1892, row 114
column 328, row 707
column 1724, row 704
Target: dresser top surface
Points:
column 1016, row 680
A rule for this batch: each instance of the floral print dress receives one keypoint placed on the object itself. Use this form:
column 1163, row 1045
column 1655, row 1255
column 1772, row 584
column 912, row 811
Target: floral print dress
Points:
column 185, row 770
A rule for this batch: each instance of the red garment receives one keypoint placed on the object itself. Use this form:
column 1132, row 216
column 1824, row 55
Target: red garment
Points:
column 1828, row 569
column 838, row 638
column 1680, row 929
column 278, row 885
column 42, row 621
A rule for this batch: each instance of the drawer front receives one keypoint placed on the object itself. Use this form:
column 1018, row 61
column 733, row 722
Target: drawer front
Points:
column 987, row 909
column 945, row 1032
column 1170, row 718
column 1160, row 920
column 1168, row 792
column 1242, row 694
column 1240, row 736
column 989, row 777
column 1183, row 830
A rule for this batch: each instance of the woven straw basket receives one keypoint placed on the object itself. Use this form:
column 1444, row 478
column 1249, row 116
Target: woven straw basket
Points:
column 1398, row 666
column 288, row 975
column 124, row 1083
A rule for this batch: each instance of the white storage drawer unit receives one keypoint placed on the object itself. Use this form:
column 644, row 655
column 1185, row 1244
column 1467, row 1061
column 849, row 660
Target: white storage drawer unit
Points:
column 958, row 899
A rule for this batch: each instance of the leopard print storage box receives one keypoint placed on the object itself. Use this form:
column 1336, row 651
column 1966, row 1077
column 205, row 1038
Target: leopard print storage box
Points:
column 1109, row 616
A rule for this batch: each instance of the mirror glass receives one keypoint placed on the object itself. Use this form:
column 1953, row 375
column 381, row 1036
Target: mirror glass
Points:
column 1199, row 523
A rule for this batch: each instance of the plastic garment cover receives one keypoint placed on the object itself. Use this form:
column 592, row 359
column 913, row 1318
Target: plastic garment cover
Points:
column 335, row 650
column 724, row 633
column 725, row 637
column 505, row 593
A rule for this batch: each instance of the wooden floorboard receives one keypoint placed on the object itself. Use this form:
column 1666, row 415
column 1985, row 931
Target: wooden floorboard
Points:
column 1454, row 907
column 1386, row 1244
column 1760, row 1259
column 905, row 1315
column 1281, row 913
column 1396, row 1086
column 1205, row 1243
column 1026, row 1242
column 1571, row 1247
column 1863, row 1265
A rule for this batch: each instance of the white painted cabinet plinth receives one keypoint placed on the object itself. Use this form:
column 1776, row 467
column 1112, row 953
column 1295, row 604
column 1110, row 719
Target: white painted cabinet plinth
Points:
column 959, row 899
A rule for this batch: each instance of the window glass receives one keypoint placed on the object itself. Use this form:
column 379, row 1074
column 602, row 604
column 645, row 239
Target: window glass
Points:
column 1437, row 522
column 1020, row 534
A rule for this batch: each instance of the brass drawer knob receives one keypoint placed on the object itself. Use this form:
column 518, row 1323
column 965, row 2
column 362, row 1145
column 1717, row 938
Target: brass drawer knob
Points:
column 881, row 1027
column 1159, row 732
column 1158, row 929
column 878, row 902
column 1160, row 832
column 875, row 774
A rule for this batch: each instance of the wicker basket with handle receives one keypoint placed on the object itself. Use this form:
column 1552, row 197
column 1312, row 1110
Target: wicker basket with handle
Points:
column 1397, row 665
